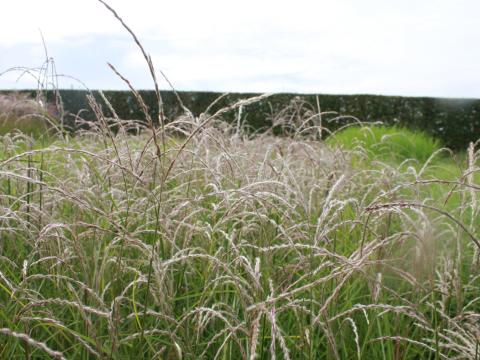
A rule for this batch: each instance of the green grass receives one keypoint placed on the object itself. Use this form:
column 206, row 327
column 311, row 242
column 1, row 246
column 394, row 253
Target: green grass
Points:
column 221, row 246
column 387, row 142
column 27, row 125
column 248, row 246
column 21, row 114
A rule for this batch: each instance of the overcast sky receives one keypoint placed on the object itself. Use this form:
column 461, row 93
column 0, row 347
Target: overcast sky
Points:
column 390, row 47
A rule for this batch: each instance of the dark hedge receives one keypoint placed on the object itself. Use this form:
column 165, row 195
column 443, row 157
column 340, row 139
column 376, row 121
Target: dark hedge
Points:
column 455, row 121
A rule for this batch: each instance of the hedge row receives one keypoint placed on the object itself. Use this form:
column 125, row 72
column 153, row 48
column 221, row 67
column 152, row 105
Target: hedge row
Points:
column 455, row 121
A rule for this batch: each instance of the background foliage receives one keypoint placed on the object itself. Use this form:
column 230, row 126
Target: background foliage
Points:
column 456, row 122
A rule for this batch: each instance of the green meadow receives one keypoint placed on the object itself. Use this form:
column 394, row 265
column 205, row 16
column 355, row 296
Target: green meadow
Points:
column 196, row 240
column 193, row 238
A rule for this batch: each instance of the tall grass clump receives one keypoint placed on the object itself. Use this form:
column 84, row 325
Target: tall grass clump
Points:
column 19, row 113
column 387, row 142
column 195, row 240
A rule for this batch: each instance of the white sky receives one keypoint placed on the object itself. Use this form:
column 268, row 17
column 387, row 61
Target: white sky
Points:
column 402, row 47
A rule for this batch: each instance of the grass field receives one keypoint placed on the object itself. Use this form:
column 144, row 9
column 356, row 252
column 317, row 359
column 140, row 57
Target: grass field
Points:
column 195, row 240
column 236, row 247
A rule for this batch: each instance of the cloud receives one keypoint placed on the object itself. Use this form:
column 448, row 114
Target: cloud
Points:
column 373, row 46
